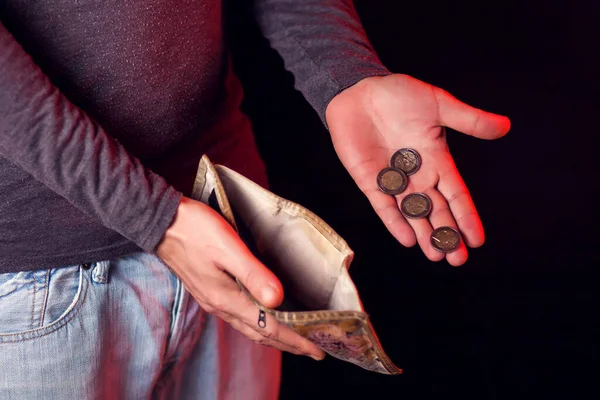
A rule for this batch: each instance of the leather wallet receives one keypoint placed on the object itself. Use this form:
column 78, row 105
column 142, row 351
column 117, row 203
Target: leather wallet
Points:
column 310, row 259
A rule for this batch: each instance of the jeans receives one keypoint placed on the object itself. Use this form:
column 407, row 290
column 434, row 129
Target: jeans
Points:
column 122, row 329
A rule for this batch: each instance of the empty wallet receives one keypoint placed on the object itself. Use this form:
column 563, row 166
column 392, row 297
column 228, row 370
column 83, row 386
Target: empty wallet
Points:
column 310, row 259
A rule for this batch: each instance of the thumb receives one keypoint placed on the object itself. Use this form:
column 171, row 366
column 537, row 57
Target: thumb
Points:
column 459, row 116
column 262, row 284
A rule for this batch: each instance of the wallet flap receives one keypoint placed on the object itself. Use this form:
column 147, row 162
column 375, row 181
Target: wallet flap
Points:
column 207, row 183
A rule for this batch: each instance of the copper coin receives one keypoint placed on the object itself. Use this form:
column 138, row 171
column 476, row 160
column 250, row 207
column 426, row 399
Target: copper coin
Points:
column 445, row 239
column 392, row 181
column 407, row 160
column 416, row 205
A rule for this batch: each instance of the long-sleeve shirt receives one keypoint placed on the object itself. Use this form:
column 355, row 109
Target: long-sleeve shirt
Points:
column 106, row 108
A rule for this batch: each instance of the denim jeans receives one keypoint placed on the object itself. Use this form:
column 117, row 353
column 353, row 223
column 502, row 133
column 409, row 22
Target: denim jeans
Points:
column 122, row 329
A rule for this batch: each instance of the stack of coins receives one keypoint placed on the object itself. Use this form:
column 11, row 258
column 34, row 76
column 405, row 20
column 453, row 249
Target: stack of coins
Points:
column 393, row 180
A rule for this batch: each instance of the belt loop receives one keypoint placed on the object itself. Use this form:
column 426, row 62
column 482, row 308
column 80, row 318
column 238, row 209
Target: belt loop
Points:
column 100, row 272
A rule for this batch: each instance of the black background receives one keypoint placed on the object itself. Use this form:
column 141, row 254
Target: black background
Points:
column 521, row 318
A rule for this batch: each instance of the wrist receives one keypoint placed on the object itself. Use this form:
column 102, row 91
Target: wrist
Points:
column 175, row 231
column 351, row 96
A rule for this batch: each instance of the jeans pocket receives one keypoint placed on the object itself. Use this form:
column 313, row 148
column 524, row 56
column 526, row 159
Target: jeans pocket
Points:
column 34, row 302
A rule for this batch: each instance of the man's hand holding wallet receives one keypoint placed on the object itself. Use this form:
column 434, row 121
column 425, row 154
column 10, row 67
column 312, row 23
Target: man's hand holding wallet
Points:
column 271, row 268
column 206, row 253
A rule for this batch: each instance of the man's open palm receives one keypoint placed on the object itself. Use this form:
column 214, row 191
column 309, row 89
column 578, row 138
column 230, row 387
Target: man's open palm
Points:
column 372, row 119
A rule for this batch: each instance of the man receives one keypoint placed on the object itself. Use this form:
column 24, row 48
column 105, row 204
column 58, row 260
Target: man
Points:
column 113, row 283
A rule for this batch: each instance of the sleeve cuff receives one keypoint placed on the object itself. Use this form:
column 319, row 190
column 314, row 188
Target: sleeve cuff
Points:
column 164, row 215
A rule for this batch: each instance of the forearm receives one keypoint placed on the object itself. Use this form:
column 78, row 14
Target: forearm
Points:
column 58, row 144
column 322, row 42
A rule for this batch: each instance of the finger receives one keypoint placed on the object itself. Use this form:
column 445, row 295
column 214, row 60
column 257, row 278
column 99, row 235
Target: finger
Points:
column 365, row 176
column 422, row 228
column 256, row 336
column 387, row 209
column 454, row 190
column 254, row 275
column 237, row 304
column 441, row 216
column 275, row 331
column 470, row 120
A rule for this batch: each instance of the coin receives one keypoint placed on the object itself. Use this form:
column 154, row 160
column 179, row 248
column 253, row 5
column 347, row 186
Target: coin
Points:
column 445, row 239
column 416, row 205
column 392, row 181
column 407, row 160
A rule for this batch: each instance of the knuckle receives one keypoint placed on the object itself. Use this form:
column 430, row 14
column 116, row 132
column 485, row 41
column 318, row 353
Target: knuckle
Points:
column 458, row 195
column 382, row 210
column 440, row 211
column 247, row 331
column 256, row 337
column 249, row 278
column 271, row 334
column 389, row 214
column 208, row 308
column 439, row 92
column 477, row 121
column 464, row 216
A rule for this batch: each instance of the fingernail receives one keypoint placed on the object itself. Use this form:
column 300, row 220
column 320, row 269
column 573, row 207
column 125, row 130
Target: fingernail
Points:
column 269, row 294
column 316, row 358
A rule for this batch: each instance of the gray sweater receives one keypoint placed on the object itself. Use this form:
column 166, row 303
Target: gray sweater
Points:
column 107, row 106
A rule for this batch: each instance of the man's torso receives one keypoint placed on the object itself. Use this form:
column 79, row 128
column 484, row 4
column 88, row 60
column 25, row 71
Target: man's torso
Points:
column 154, row 74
